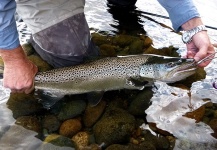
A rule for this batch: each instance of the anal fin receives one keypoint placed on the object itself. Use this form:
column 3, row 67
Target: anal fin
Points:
column 94, row 98
column 47, row 98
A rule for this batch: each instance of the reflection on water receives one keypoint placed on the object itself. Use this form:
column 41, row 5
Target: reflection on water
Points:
column 167, row 109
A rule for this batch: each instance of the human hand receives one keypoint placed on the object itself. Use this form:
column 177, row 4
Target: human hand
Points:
column 19, row 72
column 200, row 47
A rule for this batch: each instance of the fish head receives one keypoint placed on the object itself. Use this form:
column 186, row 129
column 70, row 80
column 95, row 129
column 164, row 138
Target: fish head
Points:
column 168, row 69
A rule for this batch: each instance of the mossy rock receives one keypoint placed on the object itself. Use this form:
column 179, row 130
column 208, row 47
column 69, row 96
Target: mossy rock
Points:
column 40, row 63
column 115, row 126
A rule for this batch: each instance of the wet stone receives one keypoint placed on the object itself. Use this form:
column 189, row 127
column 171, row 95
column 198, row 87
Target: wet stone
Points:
column 142, row 146
column 1, row 66
column 115, row 126
column 196, row 114
column 107, row 50
column 136, row 47
column 213, row 125
column 23, row 105
column 40, row 63
column 58, row 140
column 140, row 102
column 28, row 49
column 92, row 114
column 160, row 142
column 70, row 127
column 81, row 139
column 71, row 109
column 51, row 123
column 29, row 122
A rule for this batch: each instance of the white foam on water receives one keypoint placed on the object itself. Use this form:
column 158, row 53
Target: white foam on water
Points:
column 4, row 93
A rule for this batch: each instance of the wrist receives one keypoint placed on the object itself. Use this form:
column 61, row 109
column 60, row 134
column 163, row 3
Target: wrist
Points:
column 192, row 23
column 13, row 55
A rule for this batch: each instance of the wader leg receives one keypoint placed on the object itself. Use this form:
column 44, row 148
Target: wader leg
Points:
column 66, row 43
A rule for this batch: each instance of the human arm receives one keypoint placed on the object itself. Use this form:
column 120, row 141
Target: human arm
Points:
column 184, row 16
column 19, row 72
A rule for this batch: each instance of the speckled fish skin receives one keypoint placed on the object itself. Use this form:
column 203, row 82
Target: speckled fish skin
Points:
column 110, row 73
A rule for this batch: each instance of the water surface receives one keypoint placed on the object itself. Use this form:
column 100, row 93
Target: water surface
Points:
column 166, row 110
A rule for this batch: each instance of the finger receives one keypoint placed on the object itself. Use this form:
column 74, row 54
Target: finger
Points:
column 202, row 53
column 29, row 90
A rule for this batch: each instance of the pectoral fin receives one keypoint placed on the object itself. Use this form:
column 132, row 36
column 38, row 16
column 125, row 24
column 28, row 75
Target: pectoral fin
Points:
column 47, row 98
column 136, row 84
column 94, row 98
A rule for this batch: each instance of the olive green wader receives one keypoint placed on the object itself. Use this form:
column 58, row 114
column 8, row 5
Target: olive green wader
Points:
column 60, row 33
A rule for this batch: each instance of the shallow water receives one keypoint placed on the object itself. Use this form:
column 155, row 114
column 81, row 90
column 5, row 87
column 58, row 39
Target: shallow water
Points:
column 170, row 107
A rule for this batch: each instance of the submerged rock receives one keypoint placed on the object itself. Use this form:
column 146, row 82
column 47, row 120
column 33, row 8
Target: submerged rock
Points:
column 142, row 146
column 40, row 63
column 196, row 114
column 70, row 127
column 58, row 140
column 141, row 102
column 71, row 109
column 28, row 49
column 29, row 122
column 92, row 114
column 23, row 105
column 50, row 123
column 81, row 139
column 116, row 126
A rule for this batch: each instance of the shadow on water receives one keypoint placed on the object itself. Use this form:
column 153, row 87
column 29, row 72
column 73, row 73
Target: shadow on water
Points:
column 179, row 119
column 126, row 21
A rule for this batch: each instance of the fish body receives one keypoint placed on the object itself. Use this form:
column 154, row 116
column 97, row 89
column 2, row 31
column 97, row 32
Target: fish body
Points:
column 113, row 73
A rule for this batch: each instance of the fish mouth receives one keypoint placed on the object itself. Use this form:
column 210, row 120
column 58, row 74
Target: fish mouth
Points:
column 187, row 67
column 186, row 70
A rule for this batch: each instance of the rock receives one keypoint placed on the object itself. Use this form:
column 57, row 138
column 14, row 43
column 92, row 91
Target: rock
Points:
column 147, row 41
column 140, row 102
column 107, row 50
column 58, row 140
column 23, row 105
column 196, row 114
column 199, row 75
column 1, row 66
column 213, row 125
column 40, row 63
column 117, row 147
column 51, row 123
column 81, row 139
column 71, row 109
column 93, row 147
column 92, row 114
column 70, row 127
column 136, row 47
column 123, row 40
column 142, row 146
column 100, row 39
column 28, row 49
column 155, row 129
column 29, row 122
column 160, row 142
column 167, row 51
column 215, row 114
column 115, row 126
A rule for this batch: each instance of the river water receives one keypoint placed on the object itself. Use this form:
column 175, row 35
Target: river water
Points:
column 167, row 109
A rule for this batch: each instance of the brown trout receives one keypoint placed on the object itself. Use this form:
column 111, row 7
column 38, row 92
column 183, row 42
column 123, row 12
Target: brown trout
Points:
column 114, row 73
